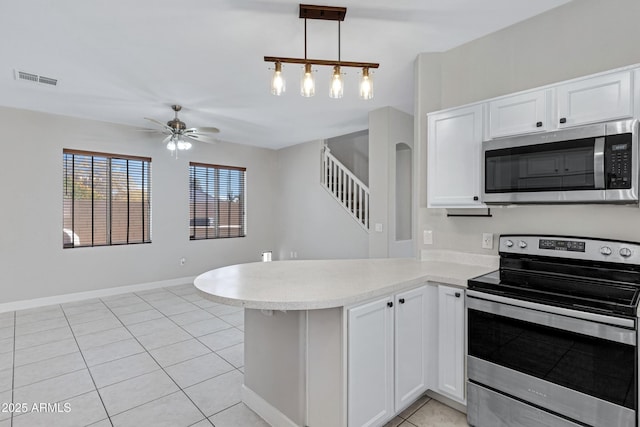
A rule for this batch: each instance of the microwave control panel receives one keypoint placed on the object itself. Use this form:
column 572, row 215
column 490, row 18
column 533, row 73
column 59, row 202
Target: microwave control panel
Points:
column 617, row 157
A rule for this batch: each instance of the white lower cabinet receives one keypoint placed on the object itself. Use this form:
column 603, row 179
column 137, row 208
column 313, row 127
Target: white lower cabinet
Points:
column 386, row 362
column 451, row 343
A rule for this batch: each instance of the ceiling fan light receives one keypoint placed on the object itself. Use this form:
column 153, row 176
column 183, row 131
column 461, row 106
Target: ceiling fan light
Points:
column 278, row 84
column 366, row 85
column 308, row 82
column 336, row 89
column 171, row 145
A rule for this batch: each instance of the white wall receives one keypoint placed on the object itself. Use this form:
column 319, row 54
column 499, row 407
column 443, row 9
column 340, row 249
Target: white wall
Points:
column 387, row 127
column 33, row 263
column 580, row 38
column 309, row 221
column 353, row 151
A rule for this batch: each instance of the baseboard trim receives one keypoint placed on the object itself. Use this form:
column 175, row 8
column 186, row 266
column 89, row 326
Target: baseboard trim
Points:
column 78, row 296
column 263, row 408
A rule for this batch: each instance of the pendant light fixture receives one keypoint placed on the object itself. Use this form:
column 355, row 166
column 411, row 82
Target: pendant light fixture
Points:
column 307, row 82
column 278, row 85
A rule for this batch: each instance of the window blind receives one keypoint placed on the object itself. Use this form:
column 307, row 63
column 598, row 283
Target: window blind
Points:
column 106, row 199
column 216, row 201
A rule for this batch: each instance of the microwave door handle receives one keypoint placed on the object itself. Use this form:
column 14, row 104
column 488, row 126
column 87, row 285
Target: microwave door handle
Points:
column 598, row 163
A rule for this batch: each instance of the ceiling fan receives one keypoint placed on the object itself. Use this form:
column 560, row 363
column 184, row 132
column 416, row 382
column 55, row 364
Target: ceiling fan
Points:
column 179, row 136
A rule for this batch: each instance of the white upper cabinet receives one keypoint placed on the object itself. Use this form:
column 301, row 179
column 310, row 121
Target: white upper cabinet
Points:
column 519, row 114
column 453, row 153
column 595, row 99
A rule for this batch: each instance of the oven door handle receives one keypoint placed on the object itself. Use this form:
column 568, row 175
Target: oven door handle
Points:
column 558, row 321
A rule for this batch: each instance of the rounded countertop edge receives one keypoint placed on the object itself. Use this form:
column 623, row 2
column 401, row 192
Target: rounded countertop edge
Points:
column 294, row 304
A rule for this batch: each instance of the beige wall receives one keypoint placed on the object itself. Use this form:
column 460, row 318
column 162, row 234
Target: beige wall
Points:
column 580, row 38
column 33, row 263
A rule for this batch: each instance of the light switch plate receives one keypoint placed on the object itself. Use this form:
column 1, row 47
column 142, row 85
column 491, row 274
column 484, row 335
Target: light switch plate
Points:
column 378, row 228
column 428, row 237
column 487, row 240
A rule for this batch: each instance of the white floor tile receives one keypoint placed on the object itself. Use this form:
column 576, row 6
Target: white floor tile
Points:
column 103, row 337
column 233, row 355
column 234, row 319
column 117, row 350
column 123, row 369
column 6, row 345
column 6, row 379
column 174, row 410
column 164, row 338
column 78, row 308
column 222, row 309
column 136, row 391
column 40, row 325
column 49, row 368
column 196, row 370
column 123, row 300
column 103, row 423
column 435, row 414
column 132, row 308
column 6, row 360
column 238, row 415
column 173, row 309
column 151, row 326
column 140, row 316
column 44, row 337
column 7, row 332
column 222, row 339
column 5, row 423
column 82, row 410
column 217, row 394
column 7, row 322
column 205, row 327
column 205, row 303
column 191, row 317
column 38, row 314
column 179, row 352
column 5, row 397
column 90, row 316
column 96, row 326
column 55, row 389
column 45, row 351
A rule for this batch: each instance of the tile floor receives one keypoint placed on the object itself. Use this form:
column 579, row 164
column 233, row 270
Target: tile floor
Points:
column 164, row 357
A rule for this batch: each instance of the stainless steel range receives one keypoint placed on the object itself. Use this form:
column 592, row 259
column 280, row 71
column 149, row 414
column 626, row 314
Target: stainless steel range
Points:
column 552, row 335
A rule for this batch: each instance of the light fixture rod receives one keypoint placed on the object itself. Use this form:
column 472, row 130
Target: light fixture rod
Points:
column 321, row 62
column 338, row 41
column 305, row 38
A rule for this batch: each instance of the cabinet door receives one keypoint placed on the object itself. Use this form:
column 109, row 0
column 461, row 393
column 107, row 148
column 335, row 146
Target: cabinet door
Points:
column 410, row 346
column 451, row 342
column 454, row 149
column 370, row 363
column 519, row 114
column 596, row 99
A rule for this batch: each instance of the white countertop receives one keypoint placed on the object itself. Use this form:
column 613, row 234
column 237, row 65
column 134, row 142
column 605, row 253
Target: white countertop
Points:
column 317, row 284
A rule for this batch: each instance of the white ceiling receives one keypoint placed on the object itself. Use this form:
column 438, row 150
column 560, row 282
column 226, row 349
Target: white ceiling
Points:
column 120, row 61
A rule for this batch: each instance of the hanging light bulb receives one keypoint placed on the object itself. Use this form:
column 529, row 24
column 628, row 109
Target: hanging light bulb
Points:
column 366, row 85
column 308, row 83
column 171, row 145
column 337, row 84
column 278, row 85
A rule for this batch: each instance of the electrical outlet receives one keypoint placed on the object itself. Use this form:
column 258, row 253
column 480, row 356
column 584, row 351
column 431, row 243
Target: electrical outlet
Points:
column 183, row 261
column 487, row 240
column 378, row 228
column 428, row 237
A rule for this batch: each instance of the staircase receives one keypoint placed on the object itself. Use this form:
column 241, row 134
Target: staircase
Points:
column 345, row 187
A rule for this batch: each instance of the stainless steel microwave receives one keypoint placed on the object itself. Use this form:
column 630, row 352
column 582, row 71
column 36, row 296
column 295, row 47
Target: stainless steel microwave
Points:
column 587, row 164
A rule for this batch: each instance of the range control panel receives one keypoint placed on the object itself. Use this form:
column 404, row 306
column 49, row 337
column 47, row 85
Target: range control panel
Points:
column 571, row 247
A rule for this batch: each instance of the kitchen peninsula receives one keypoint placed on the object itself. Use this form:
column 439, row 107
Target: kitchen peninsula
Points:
column 305, row 322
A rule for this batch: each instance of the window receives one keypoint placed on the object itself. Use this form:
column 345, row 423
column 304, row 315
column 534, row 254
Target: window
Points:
column 106, row 198
column 216, row 201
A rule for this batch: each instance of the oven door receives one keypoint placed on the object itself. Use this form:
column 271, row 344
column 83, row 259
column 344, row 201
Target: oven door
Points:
column 580, row 369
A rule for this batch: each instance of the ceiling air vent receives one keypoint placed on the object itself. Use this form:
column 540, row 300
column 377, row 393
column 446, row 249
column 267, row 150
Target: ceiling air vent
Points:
column 29, row 77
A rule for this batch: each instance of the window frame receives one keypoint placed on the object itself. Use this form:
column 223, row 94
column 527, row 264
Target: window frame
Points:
column 216, row 225
column 145, row 204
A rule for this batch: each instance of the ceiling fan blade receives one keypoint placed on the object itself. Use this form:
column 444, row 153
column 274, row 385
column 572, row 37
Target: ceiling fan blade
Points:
column 202, row 130
column 164, row 126
column 200, row 138
column 167, row 139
